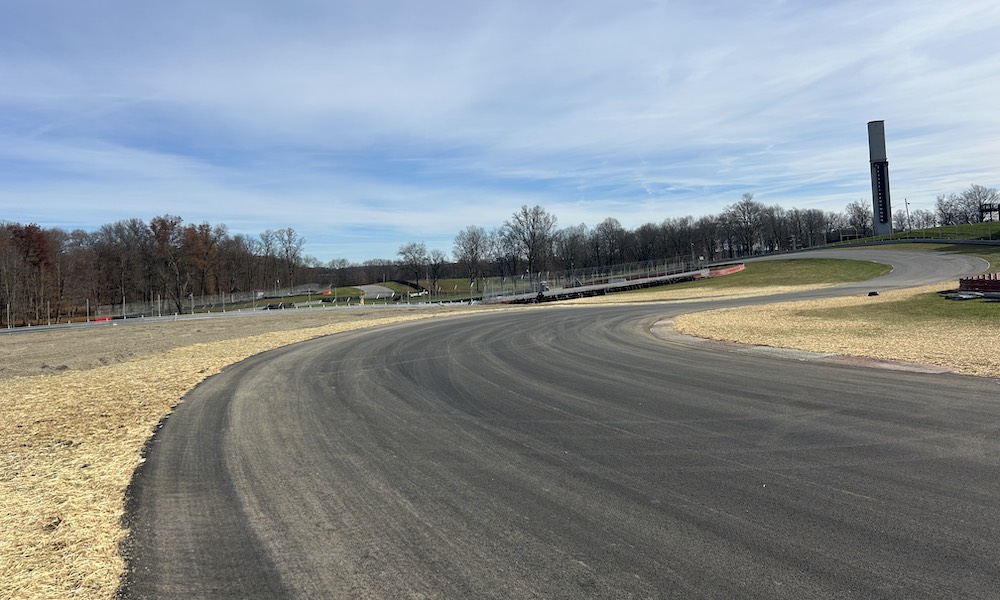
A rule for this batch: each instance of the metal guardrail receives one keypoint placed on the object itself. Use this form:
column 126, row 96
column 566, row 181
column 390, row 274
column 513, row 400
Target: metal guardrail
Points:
column 552, row 284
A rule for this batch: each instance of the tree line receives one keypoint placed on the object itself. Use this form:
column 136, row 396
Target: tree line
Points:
column 51, row 275
column 530, row 240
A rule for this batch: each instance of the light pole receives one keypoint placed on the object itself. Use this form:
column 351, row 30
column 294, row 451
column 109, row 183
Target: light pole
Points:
column 909, row 226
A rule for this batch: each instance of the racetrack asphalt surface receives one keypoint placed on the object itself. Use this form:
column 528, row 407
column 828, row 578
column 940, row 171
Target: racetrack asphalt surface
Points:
column 565, row 452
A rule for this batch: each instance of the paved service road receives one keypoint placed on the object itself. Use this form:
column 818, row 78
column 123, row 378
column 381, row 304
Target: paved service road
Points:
column 373, row 292
column 565, row 452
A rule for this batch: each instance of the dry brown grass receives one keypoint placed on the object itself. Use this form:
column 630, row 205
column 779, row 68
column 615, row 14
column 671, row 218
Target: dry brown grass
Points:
column 956, row 345
column 671, row 294
column 959, row 345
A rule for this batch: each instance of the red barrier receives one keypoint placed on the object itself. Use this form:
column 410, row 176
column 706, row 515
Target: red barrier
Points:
column 727, row 271
column 990, row 282
column 101, row 319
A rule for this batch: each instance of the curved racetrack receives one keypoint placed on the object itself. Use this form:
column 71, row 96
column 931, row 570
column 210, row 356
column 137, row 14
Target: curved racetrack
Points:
column 568, row 453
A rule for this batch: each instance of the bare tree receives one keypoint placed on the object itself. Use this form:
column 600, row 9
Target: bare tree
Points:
column 815, row 227
column 31, row 277
column 338, row 266
column 922, row 218
column 503, row 251
column 236, row 258
column 972, row 200
column 201, row 252
column 570, row 247
column 270, row 274
column 859, row 217
column 727, row 234
column 900, row 220
column 531, row 230
column 436, row 262
column 470, row 250
column 833, row 223
column 413, row 258
column 648, row 242
column 706, row 234
column 776, row 234
column 608, row 241
column 678, row 238
column 746, row 218
column 81, row 269
column 377, row 269
column 290, row 246
column 948, row 210
column 169, row 266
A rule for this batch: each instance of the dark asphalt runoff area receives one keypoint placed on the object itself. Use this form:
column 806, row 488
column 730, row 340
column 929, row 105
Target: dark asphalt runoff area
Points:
column 565, row 452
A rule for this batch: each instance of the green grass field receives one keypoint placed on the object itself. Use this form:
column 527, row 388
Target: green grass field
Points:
column 803, row 271
column 775, row 273
column 989, row 230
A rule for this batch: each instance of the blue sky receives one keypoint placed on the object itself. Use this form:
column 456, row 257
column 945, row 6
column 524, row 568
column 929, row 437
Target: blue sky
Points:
column 367, row 124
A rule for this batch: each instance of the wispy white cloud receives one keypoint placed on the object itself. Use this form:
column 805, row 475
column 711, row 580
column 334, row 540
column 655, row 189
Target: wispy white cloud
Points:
column 412, row 120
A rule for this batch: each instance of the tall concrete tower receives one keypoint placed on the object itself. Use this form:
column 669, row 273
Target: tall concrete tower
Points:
column 880, row 178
